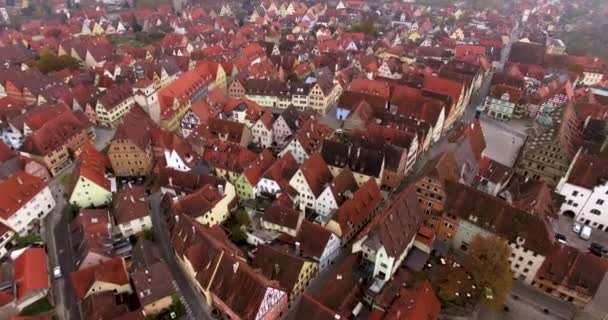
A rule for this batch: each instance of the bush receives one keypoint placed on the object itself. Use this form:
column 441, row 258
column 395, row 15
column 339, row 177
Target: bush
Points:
column 26, row 240
column 39, row 307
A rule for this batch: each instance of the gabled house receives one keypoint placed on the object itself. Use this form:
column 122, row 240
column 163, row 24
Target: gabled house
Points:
column 282, row 218
column 354, row 214
column 262, row 130
column 530, row 237
column 26, row 200
column 93, row 187
column 307, row 140
column 209, row 205
column 504, row 102
column 317, row 243
column 228, row 160
column 154, row 288
column 292, row 272
column 309, row 181
column 131, row 210
column 276, row 179
column 388, row 238
column 113, row 104
column 52, row 142
column 90, row 235
column 247, row 181
column 215, row 266
column 285, row 126
column 571, row 275
column 130, row 151
column 109, row 276
column 340, row 189
column 25, row 280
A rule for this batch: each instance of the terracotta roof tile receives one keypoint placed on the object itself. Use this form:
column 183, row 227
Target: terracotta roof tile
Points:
column 316, row 173
column 112, row 271
column 31, row 272
column 280, row 265
column 130, row 203
column 16, row 191
column 353, row 212
column 254, row 171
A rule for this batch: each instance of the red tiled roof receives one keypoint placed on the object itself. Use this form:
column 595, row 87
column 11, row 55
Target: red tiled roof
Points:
column 450, row 88
column 31, row 272
column 93, row 166
column 313, row 239
column 221, row 269
column 279, row 265
column 16, row 191
column 371, row 87
column 282, row 170
column 359, row 208
column 112, row 271
column 198, row 203
column 316, row 173
column 5, row 152
column 130, row 203
column 414, row 304
column 228, row 156
column 396, row 226
column 254, row 171
column 311, row 135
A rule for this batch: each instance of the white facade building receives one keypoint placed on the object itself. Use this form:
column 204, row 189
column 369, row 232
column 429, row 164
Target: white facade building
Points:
column 585, row 195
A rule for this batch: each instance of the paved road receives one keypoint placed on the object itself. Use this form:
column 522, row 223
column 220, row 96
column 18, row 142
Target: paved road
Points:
column 55, row 233
column 192, row 298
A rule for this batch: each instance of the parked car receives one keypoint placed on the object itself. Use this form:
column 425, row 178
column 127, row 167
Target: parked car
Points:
column 57, row 272
column 560, row 238
column 598, row 249
column 576, row 228
column 585, row 233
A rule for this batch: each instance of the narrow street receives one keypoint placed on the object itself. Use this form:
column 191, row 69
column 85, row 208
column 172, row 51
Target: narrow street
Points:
column 194, row 300
column 55, row 234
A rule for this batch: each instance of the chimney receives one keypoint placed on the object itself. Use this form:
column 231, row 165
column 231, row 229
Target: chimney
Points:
column 19, row 180
column 358, row 152
column 170, row 181
column 297, row 247
column 277, row 269
column 132, row 200
column 220, row 188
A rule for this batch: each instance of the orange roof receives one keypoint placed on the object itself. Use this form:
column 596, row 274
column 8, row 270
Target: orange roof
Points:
column 31, row 272
column 17, row 190
column 316, row 173
column 255, row 170
column 93, row 166
column 112, row 271
column 444, row 86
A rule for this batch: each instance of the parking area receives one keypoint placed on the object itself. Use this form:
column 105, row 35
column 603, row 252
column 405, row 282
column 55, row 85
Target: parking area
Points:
column 564, row 225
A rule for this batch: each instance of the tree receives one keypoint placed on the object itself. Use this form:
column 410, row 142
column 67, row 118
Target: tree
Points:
column 49, row 62
column 487, row 260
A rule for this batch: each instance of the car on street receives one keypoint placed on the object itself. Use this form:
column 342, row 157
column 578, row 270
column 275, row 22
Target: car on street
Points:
column 598, row 249
column 585, row 233
column 57, row 272
column 560, row 238
column 576, row 228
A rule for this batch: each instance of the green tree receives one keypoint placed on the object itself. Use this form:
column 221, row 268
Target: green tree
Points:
column 49, row 61
column 487, row 260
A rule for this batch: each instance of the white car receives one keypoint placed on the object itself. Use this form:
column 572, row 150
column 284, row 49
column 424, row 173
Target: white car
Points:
column 585, row 233
column 57, row 272
column 576, row 228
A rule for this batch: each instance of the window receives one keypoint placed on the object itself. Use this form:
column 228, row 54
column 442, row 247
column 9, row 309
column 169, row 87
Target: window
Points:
column 575, row 193
column 526, row 270
column 596, row 212
column 599, row 202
